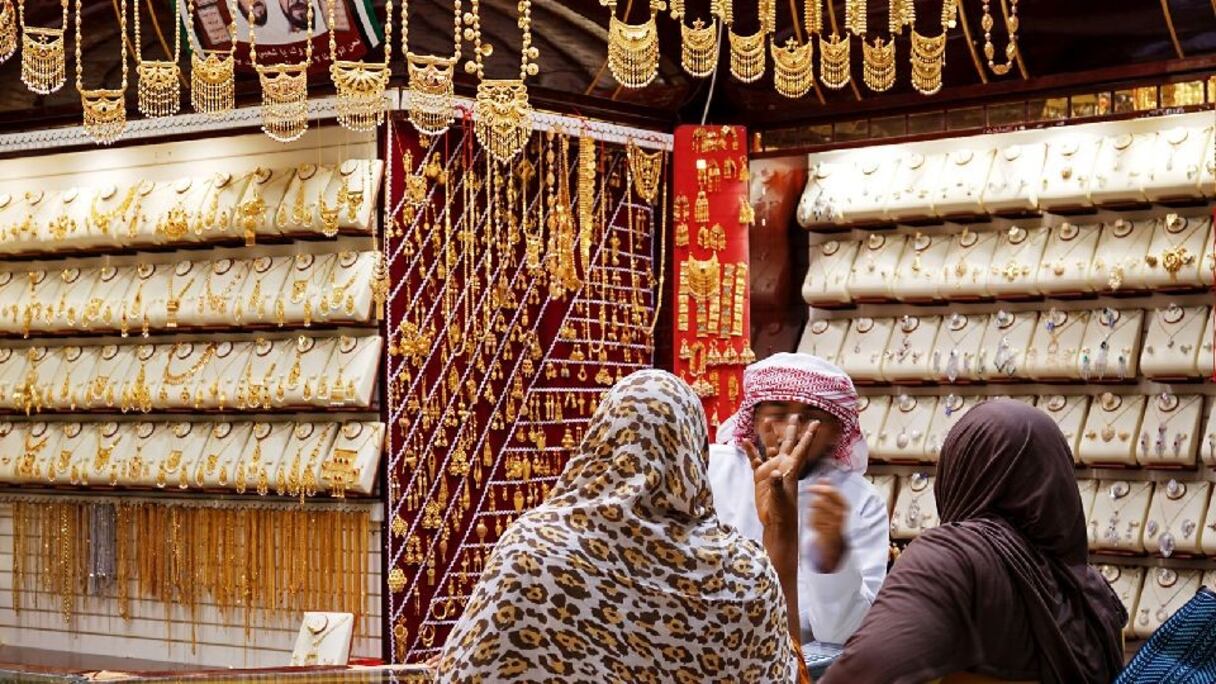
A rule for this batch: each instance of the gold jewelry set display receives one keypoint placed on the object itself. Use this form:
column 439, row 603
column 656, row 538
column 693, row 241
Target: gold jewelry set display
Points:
column 287, row 459
column 502, row 113
column 1119, row 256
column 1082, row 166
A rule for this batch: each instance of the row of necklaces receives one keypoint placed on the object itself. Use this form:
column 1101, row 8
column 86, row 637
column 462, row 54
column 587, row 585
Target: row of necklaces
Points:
column 633, row 49
column 475, row 443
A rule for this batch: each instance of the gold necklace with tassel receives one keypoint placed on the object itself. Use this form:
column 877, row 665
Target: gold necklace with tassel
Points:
column 160, row 90
column 105, row 110
column 43, row 61
column 855, row 17
column 746, row 56
column 1011, row 48
column 793, row 68
column 834, row 69
column 430, row 99
column 647, row 171
column 284, row 89
column 360, row 85
column 8, row 30
column 878, row 64
column 633, row 49
column 699, row 47
column 502, row 114
column 212, row 72
column 928, row 59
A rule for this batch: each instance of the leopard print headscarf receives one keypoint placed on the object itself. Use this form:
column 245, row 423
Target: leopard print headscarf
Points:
column 624, row 574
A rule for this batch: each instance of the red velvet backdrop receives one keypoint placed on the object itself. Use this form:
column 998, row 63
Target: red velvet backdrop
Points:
column 490, row 387
column 710, row 265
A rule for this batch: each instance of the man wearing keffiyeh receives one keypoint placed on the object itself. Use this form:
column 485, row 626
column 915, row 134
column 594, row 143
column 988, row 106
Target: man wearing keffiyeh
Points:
column 843, row 535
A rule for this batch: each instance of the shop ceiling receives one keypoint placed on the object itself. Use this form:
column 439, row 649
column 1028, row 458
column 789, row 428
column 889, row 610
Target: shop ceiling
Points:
column 1064, row 44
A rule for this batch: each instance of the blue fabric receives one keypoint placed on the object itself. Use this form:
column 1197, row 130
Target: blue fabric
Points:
column 819, row 655
column 1181, row 651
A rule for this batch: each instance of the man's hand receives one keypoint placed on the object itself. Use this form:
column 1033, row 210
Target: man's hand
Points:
column 829, row 511
column 776, row 478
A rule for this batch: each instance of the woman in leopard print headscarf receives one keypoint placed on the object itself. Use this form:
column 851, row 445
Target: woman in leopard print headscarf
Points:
column 624, row 574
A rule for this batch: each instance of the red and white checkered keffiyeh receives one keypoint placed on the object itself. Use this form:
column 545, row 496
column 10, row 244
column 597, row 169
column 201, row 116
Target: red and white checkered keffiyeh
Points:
column 805, row 379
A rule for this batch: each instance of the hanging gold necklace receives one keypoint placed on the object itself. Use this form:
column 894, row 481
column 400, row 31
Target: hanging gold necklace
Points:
column 430, row 100
column 212, row 72
column 855, row 17
column 928, row 59
column 1011, row 49
column 105, row 110
column 8, row 30
column 647, row 171
column 502, row 114
column 746, row 56
column 878, row 64
column 699, row 47
column 360, row 85
column 160, row 92
column 284, row 88
column 43, row 61
column 793, row 67
column 834, row 68
column 633, row 49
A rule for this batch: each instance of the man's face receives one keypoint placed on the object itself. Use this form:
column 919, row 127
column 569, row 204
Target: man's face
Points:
column 259, row 11
column 296, row 12
column 772, row 417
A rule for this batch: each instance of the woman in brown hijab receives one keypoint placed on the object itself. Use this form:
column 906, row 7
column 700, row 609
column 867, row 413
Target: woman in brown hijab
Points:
column 1002, row 588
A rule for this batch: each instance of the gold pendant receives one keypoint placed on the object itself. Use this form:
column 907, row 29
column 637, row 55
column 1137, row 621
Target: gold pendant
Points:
column 284, row 100
column 8, row 30
column 160, row 92
column 855, row 17
column 834, row 69
column 747, row 56
column 431, row 98
column 105, row 114
column 360, row 93
column 212, row 89
column 699, row 48
column 503, row 117
column 878, row 64
column 633, row 51
column 928, row 58
column 793, row 68
column 43, row 62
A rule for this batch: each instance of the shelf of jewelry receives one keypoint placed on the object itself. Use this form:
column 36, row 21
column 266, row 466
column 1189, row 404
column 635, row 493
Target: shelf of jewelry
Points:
column 1075, row 167
column 264, row 455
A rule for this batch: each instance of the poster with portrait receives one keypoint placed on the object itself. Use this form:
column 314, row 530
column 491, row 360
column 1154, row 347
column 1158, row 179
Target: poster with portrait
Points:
column 281, row 29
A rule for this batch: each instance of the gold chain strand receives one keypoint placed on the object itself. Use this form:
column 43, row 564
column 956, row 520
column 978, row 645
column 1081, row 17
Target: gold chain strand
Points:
column 928, row 59
column 813, row 17
column 43, row 60
column 105, row 110
column 767, row 10
column 586, row 201
column 949, row 14
column 160, row 90
column 633, row 49
column 360, row 85
column 1011, row 48
column 212, row 72
column 855, row 17
column 901, row 13
column 8, row 30
column 793, row 68
column 284, row 88
column 699, row 48
column 502, row 113
column 834, row 68
column 430, row 99
column 677, row 9
column 723, row 10
column 747, row 56
column 878, row 64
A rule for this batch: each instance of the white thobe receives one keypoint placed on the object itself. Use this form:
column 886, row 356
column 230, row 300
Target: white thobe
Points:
column 832, row 605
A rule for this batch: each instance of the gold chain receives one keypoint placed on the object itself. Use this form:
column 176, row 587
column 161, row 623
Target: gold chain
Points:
column 160, row 91
column 813, row 17
column 1011, row 49
column 360, row 85
column 834, row 69
column 284, row 88
column 43, row 61
column 901, row 13
column 212, row 73
column 855, row 17
column 699, row 47
column 105, row 110
column 878, row 64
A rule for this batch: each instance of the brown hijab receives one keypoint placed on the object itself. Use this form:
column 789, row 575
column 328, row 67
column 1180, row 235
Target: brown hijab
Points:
column 1002, row 587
